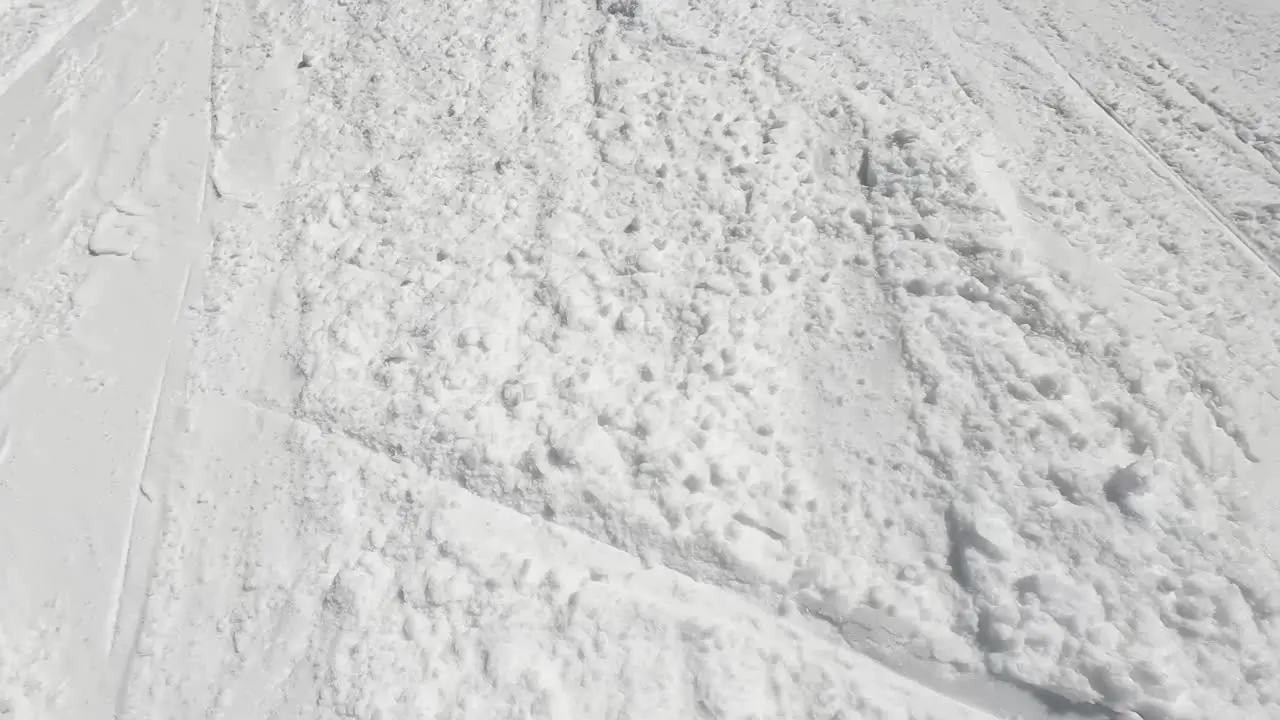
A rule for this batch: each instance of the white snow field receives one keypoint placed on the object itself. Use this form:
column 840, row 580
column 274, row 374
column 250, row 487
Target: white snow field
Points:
column 569, row 359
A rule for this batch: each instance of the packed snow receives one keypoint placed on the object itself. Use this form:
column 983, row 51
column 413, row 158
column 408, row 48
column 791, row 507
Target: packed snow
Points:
column 640, row 359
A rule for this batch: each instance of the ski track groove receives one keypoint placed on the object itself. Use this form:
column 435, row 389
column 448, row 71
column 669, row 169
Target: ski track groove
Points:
column 1225, row 116
column 190, row 283
column 140, row 490
column 1211, row 401
column 130, row 555
column 207, row 180
column 1177, row 180
column 820, row 625
column 331, row 429
column 1161, row 167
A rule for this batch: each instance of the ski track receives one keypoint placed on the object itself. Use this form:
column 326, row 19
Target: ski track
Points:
column 614, row 358
column 1172, row 175
column 140, row 491
column 1163, row 167
column 111, row 365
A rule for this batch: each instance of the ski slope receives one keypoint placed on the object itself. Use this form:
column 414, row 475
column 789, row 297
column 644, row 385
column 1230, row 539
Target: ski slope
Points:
column 639, row 359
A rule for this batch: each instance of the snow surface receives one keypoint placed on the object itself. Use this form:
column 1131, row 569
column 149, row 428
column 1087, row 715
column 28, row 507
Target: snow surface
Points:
column 639, row 358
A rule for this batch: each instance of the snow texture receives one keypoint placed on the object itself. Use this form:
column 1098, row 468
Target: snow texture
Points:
column 639, row 358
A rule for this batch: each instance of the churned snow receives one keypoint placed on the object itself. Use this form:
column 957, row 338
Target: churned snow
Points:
column 639, row 358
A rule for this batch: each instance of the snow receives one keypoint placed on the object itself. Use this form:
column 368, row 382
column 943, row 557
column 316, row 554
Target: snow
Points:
column 639, row 359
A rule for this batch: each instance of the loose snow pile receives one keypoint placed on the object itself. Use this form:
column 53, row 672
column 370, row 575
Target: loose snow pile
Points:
column 649, row 359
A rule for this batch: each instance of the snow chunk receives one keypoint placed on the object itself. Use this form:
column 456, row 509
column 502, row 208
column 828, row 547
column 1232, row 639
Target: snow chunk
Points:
column 984, row 529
